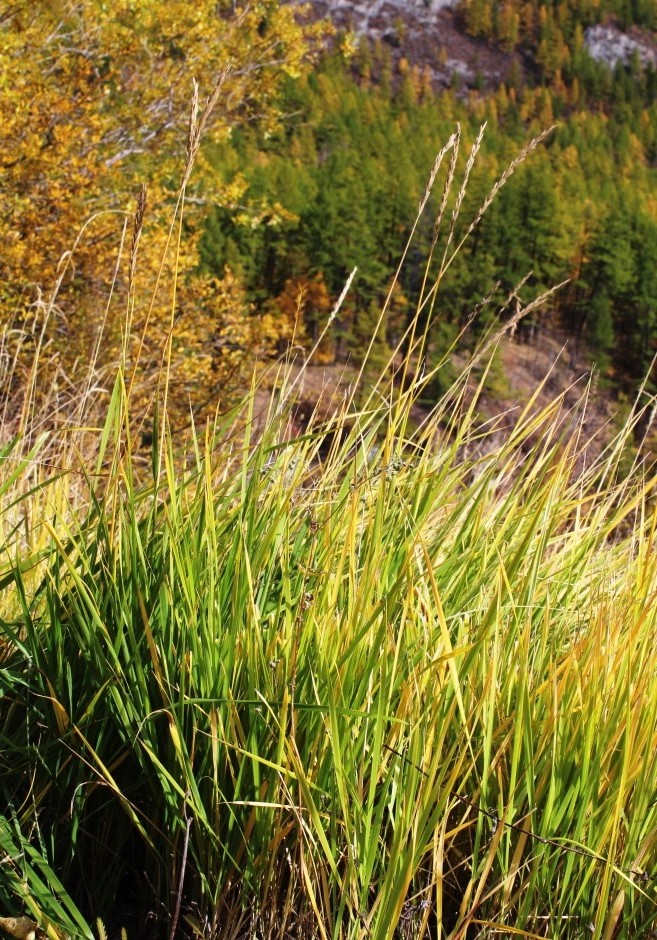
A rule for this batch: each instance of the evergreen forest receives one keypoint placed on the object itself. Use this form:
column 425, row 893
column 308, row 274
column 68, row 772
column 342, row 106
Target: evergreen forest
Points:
column 338, row 186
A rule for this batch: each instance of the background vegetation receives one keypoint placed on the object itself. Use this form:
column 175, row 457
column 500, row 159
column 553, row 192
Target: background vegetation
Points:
column 304, row 175
column 94, row 100
column 339, row 185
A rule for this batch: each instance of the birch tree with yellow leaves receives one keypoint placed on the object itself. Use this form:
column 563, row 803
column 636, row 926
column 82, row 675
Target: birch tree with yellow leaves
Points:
column 94, row 110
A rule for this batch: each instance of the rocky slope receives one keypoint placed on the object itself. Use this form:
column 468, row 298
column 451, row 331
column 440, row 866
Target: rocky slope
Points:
column 607, row 43
column 430, row 34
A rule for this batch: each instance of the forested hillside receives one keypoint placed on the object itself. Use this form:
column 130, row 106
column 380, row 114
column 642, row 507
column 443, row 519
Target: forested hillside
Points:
column 339, row 185
column 553, row 32
column 313, row 172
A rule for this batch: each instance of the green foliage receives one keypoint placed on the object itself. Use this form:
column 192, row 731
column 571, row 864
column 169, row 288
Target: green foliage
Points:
column 338, row 187
column 363, row 681
column 620, row 283
column 291, row 699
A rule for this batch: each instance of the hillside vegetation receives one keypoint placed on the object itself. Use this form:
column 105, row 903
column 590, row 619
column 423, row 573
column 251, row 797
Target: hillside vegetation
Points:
column 304, row 175
column 377, row 672
column 340, row 183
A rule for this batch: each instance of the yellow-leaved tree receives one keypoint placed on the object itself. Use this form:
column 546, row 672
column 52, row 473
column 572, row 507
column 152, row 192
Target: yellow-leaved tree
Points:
column 95, row 104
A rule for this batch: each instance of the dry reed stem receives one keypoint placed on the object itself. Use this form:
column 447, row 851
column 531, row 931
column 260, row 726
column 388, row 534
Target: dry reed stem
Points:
column 452, row 144
column 437, row 163
column 137, row 228
column 198, row 125
column 447, row 188
column 456, row 211
column 334, row 312
column 512, row 323
column 508, row 173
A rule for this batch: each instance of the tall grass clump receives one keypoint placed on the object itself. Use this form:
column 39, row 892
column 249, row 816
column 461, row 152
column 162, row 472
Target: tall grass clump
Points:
column 385, row 678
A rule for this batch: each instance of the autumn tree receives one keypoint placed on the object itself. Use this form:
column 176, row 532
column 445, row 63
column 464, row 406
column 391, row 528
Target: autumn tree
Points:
column 94, row 102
